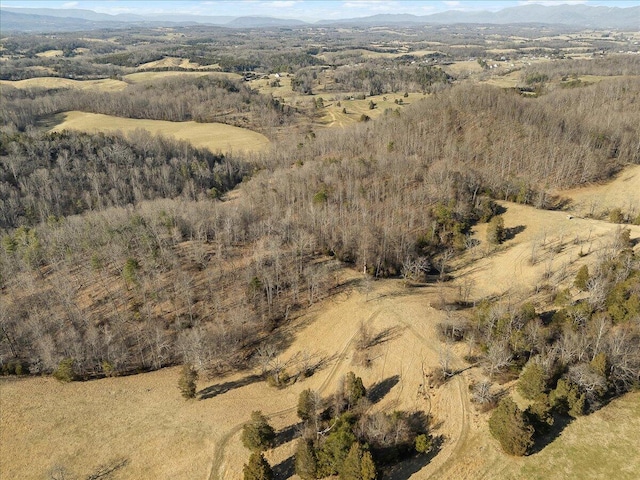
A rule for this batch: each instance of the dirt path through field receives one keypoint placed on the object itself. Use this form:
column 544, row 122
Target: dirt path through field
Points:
column 412, row 347
column 224, row 440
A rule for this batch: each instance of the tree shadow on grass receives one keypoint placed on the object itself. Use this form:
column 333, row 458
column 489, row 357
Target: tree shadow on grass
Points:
column 288, row 434
column 378, row 391
column 284, row 469
column 220, row 388
column 560, row 422
column 412, row 465
column 385, row 335
column 511, row 232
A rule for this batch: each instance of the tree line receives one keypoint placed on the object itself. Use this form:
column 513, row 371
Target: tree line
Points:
column 202, row 99
column 54, row 175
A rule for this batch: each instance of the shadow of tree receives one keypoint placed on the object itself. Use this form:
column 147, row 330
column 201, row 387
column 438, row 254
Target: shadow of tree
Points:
column 288, row 434
column 378, row 391
column 316, row 363
column 412, row 465
column 219, row 389
column 511, row 232
column 560, row 422
column 385, row 335
column 284, row 469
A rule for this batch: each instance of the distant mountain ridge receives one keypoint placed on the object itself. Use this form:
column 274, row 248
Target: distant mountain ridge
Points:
column 50, row 20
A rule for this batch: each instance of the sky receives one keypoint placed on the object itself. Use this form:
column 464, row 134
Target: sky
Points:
column 301, row 9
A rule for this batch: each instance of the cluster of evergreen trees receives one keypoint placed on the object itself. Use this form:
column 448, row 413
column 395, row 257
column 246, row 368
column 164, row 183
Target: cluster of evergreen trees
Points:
column 577, row 359
column 339, row 437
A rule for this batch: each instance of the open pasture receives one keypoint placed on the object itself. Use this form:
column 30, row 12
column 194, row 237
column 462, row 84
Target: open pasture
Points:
column 217, row 137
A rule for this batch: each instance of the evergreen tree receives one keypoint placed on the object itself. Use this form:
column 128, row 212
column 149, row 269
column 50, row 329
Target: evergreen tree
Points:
column 66, row 371
column 130, row 271
column 582, row 277
column 495, row 230
column 187, row 381
column 508, row 425
column 305, row 461
column 353, row 388
column 307, row 405
column 336, row 446
column 258, row 468
column 540, row 414
column 532, row 381
column 567, row 399
column 423, row 443
column 358, row 465
column 351, row 468
column 368, row 467
column 257, row 434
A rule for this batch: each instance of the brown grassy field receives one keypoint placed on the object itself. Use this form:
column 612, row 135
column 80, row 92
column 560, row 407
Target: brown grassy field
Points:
column 174, row 62
column 50, row 53
column 333, row 116
column 143, row 419
column 147, row 77
column 104, row 85
column 217, row 137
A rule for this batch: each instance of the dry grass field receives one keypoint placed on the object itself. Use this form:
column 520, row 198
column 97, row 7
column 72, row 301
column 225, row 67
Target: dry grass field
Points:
column 50, row 53
column 144, row 420
column 332, row 114
column 148, row 77
column 103, row 85
column 174, row 62
column 217, row 137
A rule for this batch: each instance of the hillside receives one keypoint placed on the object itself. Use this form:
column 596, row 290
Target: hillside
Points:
column 187, row 440
column 216, row 137
column 585, row 16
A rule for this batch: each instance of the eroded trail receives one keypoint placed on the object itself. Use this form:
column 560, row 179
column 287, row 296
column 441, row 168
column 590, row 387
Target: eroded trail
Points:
column 450, row 404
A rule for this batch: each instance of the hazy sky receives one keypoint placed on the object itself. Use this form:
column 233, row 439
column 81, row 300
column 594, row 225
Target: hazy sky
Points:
column 303, row 9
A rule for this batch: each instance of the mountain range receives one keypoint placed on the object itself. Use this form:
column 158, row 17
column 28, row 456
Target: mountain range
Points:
column 51, row 20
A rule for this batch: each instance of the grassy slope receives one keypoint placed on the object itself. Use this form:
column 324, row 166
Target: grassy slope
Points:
column 214, row 136
column 103, row 85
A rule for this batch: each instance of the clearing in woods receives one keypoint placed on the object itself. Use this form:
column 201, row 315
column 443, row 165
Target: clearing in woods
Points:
column 217, row 137
column 148, row 77
column 50, row 83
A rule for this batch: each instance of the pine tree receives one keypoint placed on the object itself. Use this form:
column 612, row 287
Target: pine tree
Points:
column 66, row 370
column 567, row 399
column 258, row 468
column 305, row 462
column 358, row 465
column 306, row 405
column 495, row 230
column 507, row 424
column 257, row 434
column 367, row 467
column 336, row 446
column 187, row 381
column 582, row 278
column 353, row 388
column 532, row 381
